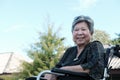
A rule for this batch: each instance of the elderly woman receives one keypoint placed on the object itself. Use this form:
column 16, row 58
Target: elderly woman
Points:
column 86, row 56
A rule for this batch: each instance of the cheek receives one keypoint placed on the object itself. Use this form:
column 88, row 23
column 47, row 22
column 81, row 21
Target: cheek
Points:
column 73, row 36
column 88, row 36
column 87, row 33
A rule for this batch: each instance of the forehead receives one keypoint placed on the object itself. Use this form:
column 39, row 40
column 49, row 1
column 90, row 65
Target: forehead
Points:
column 81, row 24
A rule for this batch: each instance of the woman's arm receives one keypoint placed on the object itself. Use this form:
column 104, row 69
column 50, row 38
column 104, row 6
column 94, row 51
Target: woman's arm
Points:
column 94, row 55
column 75, row 68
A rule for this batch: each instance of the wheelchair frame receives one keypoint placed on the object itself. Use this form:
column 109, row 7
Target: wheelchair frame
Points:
column 109, row 53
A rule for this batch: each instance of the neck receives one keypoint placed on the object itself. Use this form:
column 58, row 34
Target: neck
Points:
column 80, row 49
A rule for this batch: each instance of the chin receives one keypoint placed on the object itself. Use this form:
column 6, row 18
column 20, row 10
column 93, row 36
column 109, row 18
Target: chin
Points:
column 80, row 43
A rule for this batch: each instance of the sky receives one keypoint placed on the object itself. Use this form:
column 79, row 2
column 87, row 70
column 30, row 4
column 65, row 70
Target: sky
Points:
column 22, row 20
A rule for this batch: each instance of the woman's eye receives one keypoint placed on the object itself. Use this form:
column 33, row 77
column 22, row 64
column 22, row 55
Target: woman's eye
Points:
column 76, row 29
column 83, row 29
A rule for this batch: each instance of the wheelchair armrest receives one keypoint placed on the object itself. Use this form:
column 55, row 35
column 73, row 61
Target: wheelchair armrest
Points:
column 48, row 72
column 58, row 70
column 61, row 72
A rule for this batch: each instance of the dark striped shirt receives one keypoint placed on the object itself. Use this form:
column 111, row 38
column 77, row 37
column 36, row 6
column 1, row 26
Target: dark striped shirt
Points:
column 92, row 58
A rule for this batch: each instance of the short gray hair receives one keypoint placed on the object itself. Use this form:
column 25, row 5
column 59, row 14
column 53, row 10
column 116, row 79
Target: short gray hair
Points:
column 87, row 19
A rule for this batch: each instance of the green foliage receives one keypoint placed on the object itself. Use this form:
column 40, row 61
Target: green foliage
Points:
column 101, row 36
column 45, row 54
column 116, row 40
column 9, row 77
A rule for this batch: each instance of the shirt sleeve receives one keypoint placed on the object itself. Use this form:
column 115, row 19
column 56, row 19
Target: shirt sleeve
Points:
column 94, row 55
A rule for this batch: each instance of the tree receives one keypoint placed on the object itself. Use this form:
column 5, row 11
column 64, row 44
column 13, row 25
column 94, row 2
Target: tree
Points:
column 45, row 53
column 116, row 41
column 101, row 36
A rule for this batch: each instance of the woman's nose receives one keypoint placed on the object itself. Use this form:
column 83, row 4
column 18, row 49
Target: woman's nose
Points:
column 79, row 32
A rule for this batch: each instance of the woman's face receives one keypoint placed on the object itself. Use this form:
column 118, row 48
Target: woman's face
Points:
column 81, row 34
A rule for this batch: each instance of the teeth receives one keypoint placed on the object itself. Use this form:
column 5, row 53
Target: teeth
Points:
column 79, row 38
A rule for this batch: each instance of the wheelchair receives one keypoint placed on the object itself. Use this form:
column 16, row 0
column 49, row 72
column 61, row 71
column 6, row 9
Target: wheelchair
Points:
column 67, row 75
column 61, row 75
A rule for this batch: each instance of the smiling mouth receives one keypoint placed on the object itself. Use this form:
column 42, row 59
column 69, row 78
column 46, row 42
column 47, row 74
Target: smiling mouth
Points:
column 80, row 39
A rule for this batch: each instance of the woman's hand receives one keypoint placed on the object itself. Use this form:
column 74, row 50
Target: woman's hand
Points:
column 50, row 77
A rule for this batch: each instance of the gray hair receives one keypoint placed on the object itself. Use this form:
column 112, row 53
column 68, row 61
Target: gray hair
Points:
column 86, row 19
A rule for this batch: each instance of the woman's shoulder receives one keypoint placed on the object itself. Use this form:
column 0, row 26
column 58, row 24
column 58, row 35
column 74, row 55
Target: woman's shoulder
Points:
column 96, row 44
column 93, row 43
